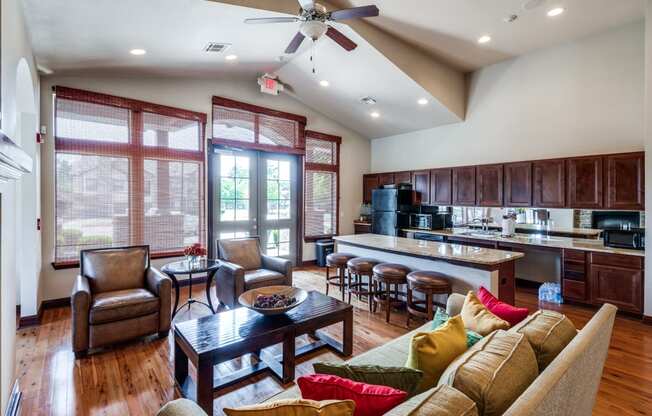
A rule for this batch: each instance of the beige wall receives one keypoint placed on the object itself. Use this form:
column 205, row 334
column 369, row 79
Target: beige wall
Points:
column 578, row 98
column 19, row 103
column 192, row 94
column 648, row 154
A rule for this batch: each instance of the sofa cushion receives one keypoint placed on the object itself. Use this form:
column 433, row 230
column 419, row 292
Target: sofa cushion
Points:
column 245, row 252
column 296, row 407
column 441, row 317
column 181, row 407
column 548, row 333
column 439, row 401
column 370, row 399
column 115, row 269
column 494, row 372
column 432, row 352
column 503, row 310
column 400, row 378
column 257, row 278
column 478, row 318
column 122, row 304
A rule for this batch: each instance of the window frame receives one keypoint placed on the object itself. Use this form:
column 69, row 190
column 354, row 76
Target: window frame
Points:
column 322, row 167
column 137, row 152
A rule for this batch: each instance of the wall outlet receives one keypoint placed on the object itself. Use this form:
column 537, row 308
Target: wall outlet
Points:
column 44, row 129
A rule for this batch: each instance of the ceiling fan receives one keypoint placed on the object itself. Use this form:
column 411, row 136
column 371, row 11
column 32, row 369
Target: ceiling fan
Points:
column 314, row 20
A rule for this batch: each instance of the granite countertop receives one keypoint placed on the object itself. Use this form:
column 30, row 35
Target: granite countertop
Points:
column 537, row 227
column 537, row 240
column 443, row 251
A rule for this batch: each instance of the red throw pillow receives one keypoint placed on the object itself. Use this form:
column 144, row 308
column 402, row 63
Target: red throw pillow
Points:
column 370, row 399
column 503, row 310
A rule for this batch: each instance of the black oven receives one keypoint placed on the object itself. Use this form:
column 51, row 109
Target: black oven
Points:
column 633, row 238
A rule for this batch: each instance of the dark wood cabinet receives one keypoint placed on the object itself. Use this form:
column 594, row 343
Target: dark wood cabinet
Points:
column 489, row 185
column 549, row 183
column 385, row 179
column 369, row 183
column 421, row 184
column 361, row 228
column 464, row 186
column 441, row 189
column 402, row 177
column 574, row 282
column 518, row 184
column 584, row 182
column 617, row 279
column 625, row 181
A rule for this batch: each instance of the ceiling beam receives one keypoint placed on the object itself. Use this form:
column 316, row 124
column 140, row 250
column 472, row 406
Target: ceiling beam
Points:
column 444, row 83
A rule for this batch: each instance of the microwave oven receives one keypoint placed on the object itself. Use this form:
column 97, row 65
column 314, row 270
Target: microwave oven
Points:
column 633, row 238
column 431, row 221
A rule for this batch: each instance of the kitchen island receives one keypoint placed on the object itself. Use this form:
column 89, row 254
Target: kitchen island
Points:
column 468, row 267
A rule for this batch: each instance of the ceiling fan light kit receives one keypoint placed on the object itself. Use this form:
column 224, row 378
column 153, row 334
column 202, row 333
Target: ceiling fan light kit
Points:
column 313, row 29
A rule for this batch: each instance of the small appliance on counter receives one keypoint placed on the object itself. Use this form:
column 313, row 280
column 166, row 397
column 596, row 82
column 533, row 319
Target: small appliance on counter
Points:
column 508, row 225
column 435, row 221
column 632, row 238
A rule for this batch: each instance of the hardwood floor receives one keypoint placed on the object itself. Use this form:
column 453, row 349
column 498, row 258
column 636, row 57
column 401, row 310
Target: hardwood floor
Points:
column 136, row 378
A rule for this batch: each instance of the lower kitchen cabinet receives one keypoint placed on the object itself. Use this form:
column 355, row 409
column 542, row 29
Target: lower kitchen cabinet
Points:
column 619, row 286
column 575, row 285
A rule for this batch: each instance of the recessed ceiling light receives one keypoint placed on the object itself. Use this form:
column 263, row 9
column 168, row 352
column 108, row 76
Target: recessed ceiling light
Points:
column 484, row 39
column 324, row 83
column 422, row 101
column 231, row 57
column 375, row 114
column 555, row 12
column 138, row 51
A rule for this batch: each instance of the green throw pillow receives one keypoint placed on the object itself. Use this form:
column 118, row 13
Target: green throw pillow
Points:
column 401, row 378
column 441, row 317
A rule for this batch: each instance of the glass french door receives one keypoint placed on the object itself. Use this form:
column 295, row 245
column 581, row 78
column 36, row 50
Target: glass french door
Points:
column 255, row 194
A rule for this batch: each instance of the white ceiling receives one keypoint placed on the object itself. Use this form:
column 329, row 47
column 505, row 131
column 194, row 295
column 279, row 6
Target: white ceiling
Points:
column 449, row 29
column 81, row 36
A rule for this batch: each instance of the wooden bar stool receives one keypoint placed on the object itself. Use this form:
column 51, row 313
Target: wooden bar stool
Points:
column 337, row 261
column 358, row 268
column 386, row 275
column 428, row 283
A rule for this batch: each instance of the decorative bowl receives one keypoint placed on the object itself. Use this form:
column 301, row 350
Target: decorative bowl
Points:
column 248, row 298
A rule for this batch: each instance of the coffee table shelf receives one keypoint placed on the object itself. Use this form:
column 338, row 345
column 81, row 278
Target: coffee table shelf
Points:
column 214, row 339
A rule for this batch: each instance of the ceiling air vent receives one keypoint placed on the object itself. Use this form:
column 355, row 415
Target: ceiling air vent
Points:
column 368, row 100
column 217, row 47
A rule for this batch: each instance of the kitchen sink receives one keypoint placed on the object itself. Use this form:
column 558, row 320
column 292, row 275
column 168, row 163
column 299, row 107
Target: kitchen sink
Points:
column 481, row 233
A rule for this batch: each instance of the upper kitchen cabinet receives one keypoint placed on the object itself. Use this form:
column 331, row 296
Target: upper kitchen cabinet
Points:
column 625, row 181
column 369, row 183
column 489, row 185
column 584, row 182
column 421, row 183
column 549, row 183
column 441, row 187
column 385, row 179
column 402, row 177
column 518, row 184
column 464, row 186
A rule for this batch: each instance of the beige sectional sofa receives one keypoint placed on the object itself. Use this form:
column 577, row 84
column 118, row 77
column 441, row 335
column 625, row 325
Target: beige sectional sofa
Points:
column 567, row 386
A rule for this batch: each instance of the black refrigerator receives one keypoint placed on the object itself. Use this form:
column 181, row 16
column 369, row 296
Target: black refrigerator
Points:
column 391, row 210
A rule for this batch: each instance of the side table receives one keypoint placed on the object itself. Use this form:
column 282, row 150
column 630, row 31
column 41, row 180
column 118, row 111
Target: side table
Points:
column 183, row 267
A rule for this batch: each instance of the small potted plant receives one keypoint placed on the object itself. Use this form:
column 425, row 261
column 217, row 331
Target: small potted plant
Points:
column 193, row 254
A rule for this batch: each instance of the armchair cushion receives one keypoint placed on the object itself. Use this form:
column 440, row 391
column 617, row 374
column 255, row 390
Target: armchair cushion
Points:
column 244, row 252
column 122, row 304
column 262, row 278
column 80, row 300
column 115, row 269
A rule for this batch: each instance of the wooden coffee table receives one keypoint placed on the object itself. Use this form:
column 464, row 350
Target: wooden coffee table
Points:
column 214, row 339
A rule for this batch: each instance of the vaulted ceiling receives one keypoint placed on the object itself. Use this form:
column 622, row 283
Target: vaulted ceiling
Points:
column 414, row 49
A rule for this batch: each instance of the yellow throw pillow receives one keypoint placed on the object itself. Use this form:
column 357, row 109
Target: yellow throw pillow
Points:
column 478, row 318
column 431, row 352
column 296, row 407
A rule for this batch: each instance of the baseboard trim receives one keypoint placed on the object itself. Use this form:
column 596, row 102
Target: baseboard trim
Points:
column 647, row 320
column 30, row 320
column 13, row 406
column 55, row 303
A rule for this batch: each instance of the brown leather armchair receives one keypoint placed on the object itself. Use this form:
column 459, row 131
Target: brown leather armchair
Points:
column 118, row 296
column 244, row 267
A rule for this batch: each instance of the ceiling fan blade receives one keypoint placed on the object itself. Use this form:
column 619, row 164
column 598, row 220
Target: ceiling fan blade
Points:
column 355, row 12
column 307, row 4
column 295, row 43
column 261, row 20
column 341, row 39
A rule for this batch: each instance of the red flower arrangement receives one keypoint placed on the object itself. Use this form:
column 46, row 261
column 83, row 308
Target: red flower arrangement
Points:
column 195, row 250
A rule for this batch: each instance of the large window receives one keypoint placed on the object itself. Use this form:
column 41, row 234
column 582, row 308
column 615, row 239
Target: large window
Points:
column 127, row 173
column 321, row 187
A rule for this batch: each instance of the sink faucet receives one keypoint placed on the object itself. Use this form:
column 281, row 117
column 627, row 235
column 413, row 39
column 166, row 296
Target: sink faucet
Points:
column 484, row 221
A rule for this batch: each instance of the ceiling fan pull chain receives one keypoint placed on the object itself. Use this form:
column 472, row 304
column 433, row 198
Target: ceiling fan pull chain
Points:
column 312, row 57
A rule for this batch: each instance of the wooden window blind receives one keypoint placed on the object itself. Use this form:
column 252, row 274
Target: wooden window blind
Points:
column 127, row 172
column 252, row 127
column 321, row 185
